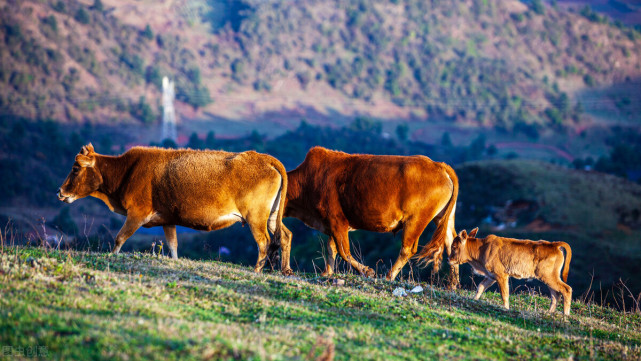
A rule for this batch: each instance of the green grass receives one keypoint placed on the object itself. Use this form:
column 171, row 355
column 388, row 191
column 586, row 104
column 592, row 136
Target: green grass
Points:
column 86, row 305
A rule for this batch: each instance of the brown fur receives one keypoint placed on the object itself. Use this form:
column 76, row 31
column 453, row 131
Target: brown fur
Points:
column 204, row 190
column 498, row 258
column 336, row 192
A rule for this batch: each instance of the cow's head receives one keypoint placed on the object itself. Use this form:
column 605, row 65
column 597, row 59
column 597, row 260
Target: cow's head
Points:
column 459, row 247
column 84, row 178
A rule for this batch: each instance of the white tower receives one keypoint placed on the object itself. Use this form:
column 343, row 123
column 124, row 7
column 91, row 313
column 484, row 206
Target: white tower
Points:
column 169, row 114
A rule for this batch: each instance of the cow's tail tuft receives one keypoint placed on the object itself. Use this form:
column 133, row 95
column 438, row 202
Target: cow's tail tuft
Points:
column 433, row 251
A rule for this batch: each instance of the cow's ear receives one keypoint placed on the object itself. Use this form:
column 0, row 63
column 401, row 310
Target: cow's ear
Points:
column 463, row 237
column 473, row 232
column 85, row 161
column 87, row 149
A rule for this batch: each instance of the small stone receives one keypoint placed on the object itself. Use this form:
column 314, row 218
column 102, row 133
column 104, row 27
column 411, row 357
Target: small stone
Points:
column 399, row 292
column 417, row 289
column 338, row 282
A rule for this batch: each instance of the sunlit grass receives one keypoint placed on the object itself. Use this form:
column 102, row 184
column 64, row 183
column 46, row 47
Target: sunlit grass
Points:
column 86, row 305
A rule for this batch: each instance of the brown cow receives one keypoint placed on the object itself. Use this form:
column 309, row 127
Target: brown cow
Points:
column 204, row 190
column 499, row 258
column 336, row 192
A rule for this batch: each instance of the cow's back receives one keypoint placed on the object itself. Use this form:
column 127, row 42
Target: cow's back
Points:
column 200, row 188
column 371, row 192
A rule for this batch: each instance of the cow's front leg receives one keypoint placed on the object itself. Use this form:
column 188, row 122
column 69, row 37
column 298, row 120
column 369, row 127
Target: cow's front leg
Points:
column 411, row 233
column 172, row 240
column 342, row 243
column 330, row 263
column 454, row 277
column 132, row 223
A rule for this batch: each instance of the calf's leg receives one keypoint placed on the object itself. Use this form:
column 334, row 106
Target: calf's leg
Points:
column 485, row 284
column 554, row 296
column 172, row 240
column 559, row 287
column 504, row 287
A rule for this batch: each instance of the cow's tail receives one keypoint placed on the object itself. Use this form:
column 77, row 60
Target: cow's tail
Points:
column 568, row 258
column 433, row 251
column 275, row 222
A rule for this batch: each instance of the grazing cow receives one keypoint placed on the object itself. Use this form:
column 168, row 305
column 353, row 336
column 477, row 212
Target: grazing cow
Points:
column 336, row 192
column 499, row 258
column 204, row 190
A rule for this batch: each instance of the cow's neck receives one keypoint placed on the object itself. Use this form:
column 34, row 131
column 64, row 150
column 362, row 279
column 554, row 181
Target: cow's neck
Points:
column 113, row 171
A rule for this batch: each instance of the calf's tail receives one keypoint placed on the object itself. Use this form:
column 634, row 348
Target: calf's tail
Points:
column 433, row 251
column 568, row 258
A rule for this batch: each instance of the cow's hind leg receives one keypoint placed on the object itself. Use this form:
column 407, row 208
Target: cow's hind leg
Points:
column 259, row 231
column 172, row 240
column 286, row 248
column 330, row 262
column 342, row 243
column 411, row 232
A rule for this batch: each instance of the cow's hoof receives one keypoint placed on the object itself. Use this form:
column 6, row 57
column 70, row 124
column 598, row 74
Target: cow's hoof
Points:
column 369, row 272
column 327, row 274
column 288, row 272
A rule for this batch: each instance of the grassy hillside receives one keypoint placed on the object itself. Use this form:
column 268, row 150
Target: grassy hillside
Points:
column 483, row 62
column 84, row 305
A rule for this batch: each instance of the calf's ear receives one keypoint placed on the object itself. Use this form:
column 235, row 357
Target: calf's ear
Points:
column 463, row 235
column 85, row 161
column 473, row 232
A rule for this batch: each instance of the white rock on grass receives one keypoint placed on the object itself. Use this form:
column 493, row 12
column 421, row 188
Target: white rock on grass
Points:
column 399, row 292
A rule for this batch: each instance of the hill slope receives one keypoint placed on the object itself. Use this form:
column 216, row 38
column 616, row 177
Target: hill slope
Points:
column 81, row 305
column 480, row 62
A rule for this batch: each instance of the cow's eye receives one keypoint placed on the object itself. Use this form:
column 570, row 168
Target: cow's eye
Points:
column 75, row 170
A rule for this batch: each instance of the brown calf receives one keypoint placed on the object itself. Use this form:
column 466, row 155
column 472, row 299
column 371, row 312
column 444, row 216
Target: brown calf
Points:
column 336, row 192
column 499, row 258
column 204, row 190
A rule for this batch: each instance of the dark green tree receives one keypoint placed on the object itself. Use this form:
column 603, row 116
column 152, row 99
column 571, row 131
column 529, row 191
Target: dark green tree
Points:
column 148, row 33
column 82, row 16
column 402, row 131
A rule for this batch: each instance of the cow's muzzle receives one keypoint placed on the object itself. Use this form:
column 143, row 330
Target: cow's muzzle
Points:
column 64, row 198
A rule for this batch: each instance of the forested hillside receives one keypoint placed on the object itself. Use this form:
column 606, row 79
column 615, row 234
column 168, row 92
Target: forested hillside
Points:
column 484, row 62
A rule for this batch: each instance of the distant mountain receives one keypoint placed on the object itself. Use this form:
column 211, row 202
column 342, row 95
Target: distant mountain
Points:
column 480, row 62
column 626, row 11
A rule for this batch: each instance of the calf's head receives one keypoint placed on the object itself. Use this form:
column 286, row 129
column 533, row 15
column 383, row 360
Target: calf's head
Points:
column 459, row 247
column 83, row 179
